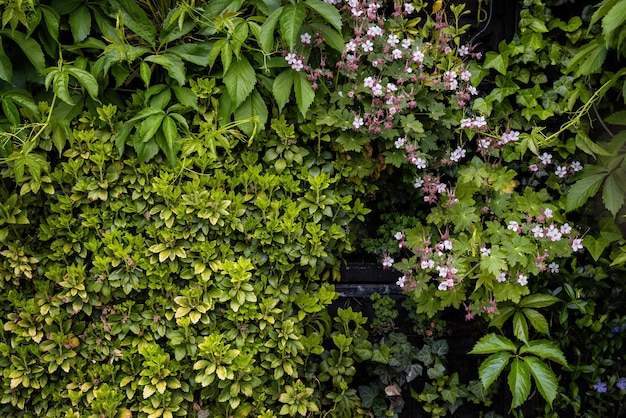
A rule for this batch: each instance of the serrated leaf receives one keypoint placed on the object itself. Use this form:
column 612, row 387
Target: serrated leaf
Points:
column 170, row 136
column 520, row 326
column 327, row 11
column 291, row 20
column 253, row 107
column 519, row 382
column 304, row 92
column 613, row 20
column 266, row 34
column 86, row 80
column 136, row 20
column 6, row 68
column 30, row 47
column 282, row 86
column 172, row 63
column 502, row 315
column 240, row 80
column 331, row 37
column 589, row 58
column 583, row 189
column 544, row 377
column 544, row 349
column 536, row 320
column 539, row 300
column 11, row 111
column 613, row 194
column 80, row 23
column 616, row 118
column 492, row 366
column 493, row 343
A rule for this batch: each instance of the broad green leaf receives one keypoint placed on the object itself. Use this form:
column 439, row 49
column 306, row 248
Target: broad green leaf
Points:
column 544, row 377
column 52, row 20
column 172, row 63
column 492, row 366
column 148, row 128
column 170, row 136
column 613, row 191
column 80, row 23
column 60, row 85
column 327, row 11
column 144, row 113
column 520, row 326
column 620, row 258
column 186, row 96
column 195, row 52
column 135, row 19
column 267, row 35
column 502, row 315
column 291, row 20
column 86, row 80
column 10, row 111
column 583, row 189
column 613, row 20
column 498, row 62
column 6, row 68
column 30, row 47
column 146, row 150
column 588, row 146
column 145, row 73
column 332, row 38
column 616, row 118
column 590, row 58
column 539, row 300
column 281, row 88
column 544, row 349
column 519, row 382
column 253, row 107
column 595, row 246
column 536, row 320
column 217, row 7
column 61, row 132
column 493, row 343
column 240, row 80
column 304, row 92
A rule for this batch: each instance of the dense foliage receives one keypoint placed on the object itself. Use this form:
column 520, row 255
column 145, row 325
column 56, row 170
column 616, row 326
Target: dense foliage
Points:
column 182, row 180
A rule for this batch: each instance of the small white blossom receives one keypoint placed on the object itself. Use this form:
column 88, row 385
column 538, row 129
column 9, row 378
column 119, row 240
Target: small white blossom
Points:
column 400, row 142
column 522, row 280
column 419, row 182
column 576, row 166
column 305, row 38
column 538, row 232
column 387, row 262
column 393, row 40
column 367, row 46
column 566, row 229
column 577, row 244
column 401, row 281
column 485, row 252
column 554, row 267
column 358, row 122
column 548, row 213
column 561, row 171
column 501, row 277
column 545, row 158
column 513, row 226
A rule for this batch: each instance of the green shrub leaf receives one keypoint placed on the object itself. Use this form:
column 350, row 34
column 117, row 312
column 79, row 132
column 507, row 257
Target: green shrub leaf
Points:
column 492, row 366
column 239, row 80
column 544, row 377
column 493, row 343
column 519, row 382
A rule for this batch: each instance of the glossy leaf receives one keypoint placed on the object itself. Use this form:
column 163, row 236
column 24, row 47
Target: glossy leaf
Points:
column 520, row 326
column 583, row 189
column 253, row 107
column 539, row 300
column 327, row 11
column 544, row 378
column 304, row 92
column 519, row 382
column 545, row 350
column 240, row 80
column 80, row 23
column 493, row 343
column 31, row 49
column 172, row 63
column 291, row 20
column 267, row 32
column 536, row 320
column 282, row 86
column 492, row 366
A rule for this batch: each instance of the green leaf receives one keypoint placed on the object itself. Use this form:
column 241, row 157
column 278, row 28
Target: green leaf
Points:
column 253, row 107
column 6, row 68
column 60, row 87
column 145, row 73
column 266, row 34
column 304, row 92
column 80, row 23
column 583, row 189
column 498, row 62
column 502, row 315
column 493, row 343
column 186, row 97
column 590, row 58
column 327, row 11
column 519, row 382
column 537, row 320
column 172, row 63
column 331, row 37
column 86, row 80
column 544, row 349
column 613, row 194
column 595, row 246
column 291, row 20
column 539, row 300
column 11, row 111
column 492, row 366
column 135, row 19
column 52, row 20
column 195, row 52
column 30, row 47
column 520, row 326
column 170, row 136
column 149, row 127
column 613, row 20
column 281, row 88
column 544, row 377
column 240, row 80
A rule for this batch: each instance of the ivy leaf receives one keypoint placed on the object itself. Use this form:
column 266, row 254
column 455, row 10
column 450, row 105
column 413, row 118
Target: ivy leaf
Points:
column 490, row 369
column 544, row 377
column 493, row 343
column 304, row 92
column 239, row 80
column 544, row 349
column 327, row 11
column 519, row 382
column 595, row 246
column 291, row 20
column 498, row 62
column 583, row 189
column 281, row 88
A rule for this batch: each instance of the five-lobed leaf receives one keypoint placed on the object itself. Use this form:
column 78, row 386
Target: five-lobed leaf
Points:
column 544, row 378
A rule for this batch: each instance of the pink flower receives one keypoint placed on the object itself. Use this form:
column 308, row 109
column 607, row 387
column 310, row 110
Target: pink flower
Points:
column 577, row 244
column 358, row 122
column 522, row 280
column 305, row 38
column 387, row 262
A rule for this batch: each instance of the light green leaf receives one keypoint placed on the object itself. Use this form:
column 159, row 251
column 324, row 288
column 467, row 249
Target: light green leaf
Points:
column 86, row 80
column 583, row 189
column 60, row 87
column 613, row 20
column 544, row 349
column 145, row 73
column 520, row 326
column 80, row 23
column 281, row 88
column 620, row 258
column 186, row 96
column 30, row 47
column 493, row 343
column 491, row 368
column 149, row 127
column 519, row 382
column 291, row 20
column 10, row 111
column 195, row 52
column 502, row 315
column 304, row 92
column 240, row 80
column 253, row 107
column 590, row 58
column 595, row 246
column 613, row 194
column 498, row 62
column 544, row 377
column 266, row 34
column 327, row 11
column 537, row 320
column 539, row 300
column 172, row 63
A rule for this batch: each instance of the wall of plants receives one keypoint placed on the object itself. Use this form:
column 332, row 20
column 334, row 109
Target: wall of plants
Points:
column 181, row 182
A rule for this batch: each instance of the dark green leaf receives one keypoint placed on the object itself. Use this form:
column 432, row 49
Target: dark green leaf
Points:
column 186, row 96
column 327, row 11
column 61, row 132
column 583, row 189
column 195, row 52
column 281, row 89
column 613, row 194
column 589, row 58
column 52, row 19
column 148, row 128
column 146, row 151
column 30, row 47
column 502, row 315
column 80, row 23
column 331, row 36
column 544, row 349
column 537, row 320
column 595, row 246
column 520, row 326
column 492, row 366
column 616, row 118
column 167, row 142
column 240, row 80
column 253, row 107
column 6, row 68
column 267, row 35
column 10, row 111
column 519, row 382
column 172, row 63
column 86, row 80
column 291, row 20
column 498, row 62
column 539, row 300
column 135, row 19
column 304, row 92
column 544, row 377
column 493, row 343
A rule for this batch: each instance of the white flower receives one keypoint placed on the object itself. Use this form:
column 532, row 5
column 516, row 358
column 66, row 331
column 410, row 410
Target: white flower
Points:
column 548, row 212
column 374, row 31
column 554, row 233
column 446, row 285
column 408, row 8
column 401, row 281
column 577, row 244
column 457, row 155
column 501, row 277
column 554, row 267
column 351, row 46
column 393, row 40
column 522, row 280
column 466, row 75
column 419, row 163
column 305, row 38
column 441, row 187
column 566, row 229
column 545, row 158
column 463, row 50
column 485, row 252
column 406, row 43
column 396, row 54
column 398, row 235
column 417, row 56
column 513, row 226
column 443, row 271
column 561, row 171
column 447, row 244
column 368, row 46
column 369, row 82
column 391, row 87
column 400, row 142
column 387, row 262
column 377, row 90
column 576, row 166
column 358, row 122
column 419, row 182
column 538, row 232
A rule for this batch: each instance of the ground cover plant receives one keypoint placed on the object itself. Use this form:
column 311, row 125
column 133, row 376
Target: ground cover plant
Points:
column 182, row 180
